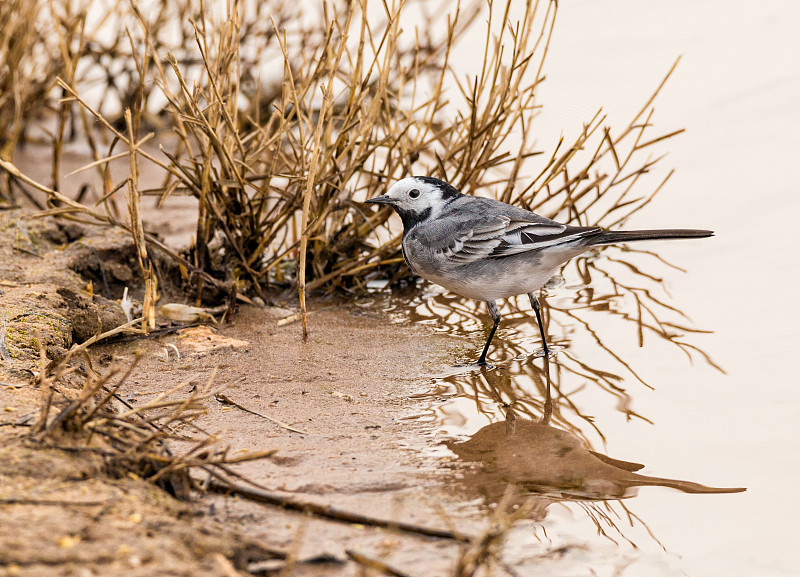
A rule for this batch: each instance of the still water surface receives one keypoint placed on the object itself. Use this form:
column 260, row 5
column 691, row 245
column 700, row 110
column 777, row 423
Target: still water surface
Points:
column 736, row 91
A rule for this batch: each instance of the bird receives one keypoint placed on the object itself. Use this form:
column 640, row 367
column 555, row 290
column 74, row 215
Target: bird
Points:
column 484, row 249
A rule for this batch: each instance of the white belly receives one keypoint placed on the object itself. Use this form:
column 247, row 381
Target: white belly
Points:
column 490, row 279
column 495, row 285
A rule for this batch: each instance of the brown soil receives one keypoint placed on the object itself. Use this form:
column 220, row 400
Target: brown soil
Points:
column 347, row 389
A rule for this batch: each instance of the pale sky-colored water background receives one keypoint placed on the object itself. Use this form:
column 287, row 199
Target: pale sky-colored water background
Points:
column 737, row 92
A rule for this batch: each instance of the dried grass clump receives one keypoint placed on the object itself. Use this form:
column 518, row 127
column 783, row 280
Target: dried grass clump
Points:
column 139, row 440
column 285, row 120
column 282, row 120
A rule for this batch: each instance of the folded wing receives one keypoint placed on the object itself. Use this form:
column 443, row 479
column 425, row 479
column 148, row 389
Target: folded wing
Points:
column 503, row 236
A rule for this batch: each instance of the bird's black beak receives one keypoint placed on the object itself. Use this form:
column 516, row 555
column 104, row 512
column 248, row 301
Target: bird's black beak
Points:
column 380, row 200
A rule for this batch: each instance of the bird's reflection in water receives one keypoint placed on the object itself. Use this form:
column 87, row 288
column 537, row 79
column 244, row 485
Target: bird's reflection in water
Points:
column 540, row 459
column 519, row 452
column 519, row 386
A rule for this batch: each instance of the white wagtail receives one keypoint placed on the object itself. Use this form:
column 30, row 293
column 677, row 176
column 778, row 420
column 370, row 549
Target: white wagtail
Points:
column 487, row 250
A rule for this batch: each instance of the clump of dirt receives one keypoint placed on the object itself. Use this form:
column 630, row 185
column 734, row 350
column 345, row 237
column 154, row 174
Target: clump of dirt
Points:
column 60, row 284
column 62, row 513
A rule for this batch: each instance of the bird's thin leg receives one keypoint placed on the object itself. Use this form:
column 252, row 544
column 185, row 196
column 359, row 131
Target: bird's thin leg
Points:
column 548, row 401
column 494, row 312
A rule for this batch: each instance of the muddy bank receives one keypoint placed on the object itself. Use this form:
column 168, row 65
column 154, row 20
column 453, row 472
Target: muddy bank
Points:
column 59, row 285
column 335, row 409
column 346, row 389
column 63, row 515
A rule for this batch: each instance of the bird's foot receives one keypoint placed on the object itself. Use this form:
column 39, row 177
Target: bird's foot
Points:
column 477, row 365
column 550, row 352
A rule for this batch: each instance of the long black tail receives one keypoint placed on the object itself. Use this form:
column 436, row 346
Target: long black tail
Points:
column 615, row 236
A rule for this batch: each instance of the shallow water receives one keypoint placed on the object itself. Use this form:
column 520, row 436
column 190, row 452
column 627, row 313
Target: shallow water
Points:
column 488, row 419
column 735, row 91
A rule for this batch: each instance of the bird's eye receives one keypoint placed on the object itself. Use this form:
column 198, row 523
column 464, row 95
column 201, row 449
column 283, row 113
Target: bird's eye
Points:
column 413, row 193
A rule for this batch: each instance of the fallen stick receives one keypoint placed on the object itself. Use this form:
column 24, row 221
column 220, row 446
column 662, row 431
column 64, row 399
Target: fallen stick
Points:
column 375, row 564
column 226, row 487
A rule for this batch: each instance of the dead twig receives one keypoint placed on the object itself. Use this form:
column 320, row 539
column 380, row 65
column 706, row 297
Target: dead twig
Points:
column 226, row 487
column 227, row 401
column 374, row 564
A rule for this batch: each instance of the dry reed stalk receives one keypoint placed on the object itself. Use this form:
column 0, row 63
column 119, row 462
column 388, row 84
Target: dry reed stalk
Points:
column 137, row 230
column 309, row 189
column 484, row 550
column 367, row 130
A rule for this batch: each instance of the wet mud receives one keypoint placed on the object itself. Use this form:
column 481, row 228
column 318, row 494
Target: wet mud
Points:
column 48, row 301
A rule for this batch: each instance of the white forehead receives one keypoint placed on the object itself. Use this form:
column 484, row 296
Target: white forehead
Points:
column 400, row 188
